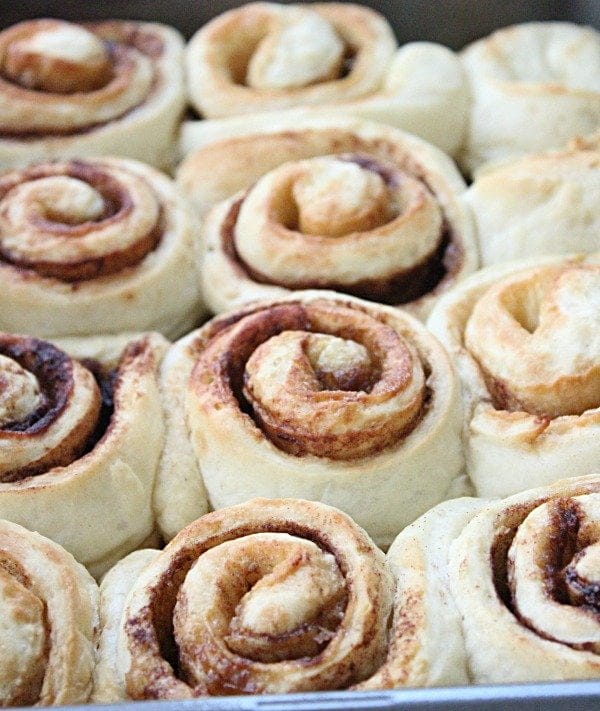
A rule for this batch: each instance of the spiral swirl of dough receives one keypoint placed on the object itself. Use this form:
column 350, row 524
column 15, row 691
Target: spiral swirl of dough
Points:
column 316, row 396
column 80, row 440
column 93, row 246
column 530, row 566
column 346, row 205
column 525, row 339
column 270, row 596
column 49, row 620
column 49, row 407
column 68, row 90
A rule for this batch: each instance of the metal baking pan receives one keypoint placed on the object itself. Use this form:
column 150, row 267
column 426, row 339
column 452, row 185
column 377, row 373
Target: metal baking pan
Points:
column 454, row 23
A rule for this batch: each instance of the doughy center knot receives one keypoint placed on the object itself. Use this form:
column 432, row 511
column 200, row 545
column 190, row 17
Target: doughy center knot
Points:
column 63, row 59
column 300, row 48
column 19, row 392
column 338, row 363
column 335, row 197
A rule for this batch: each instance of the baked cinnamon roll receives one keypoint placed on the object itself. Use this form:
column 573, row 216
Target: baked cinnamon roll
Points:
column 49, row 622
column 332, row 57
column 539, row 205
column 107, row 88
column 269, row 596
column 80, row 441
column 494, row 592
column 96, row 246
column 342, row 204
column 525, row 339
column 533, row 86
column 314, row 396
column 527, row 568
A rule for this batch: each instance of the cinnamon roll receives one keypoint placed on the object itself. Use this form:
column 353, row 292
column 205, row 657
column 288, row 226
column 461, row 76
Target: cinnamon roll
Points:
column 527, row 568
column 96, row 246
column 80, row 440
column 534, row 86
column 541, row 204
column 314, row 396
column 525, row 339
column 269, row 596
column 107, row 88
column 341, row 204
column 332, row 57
column 49, row 621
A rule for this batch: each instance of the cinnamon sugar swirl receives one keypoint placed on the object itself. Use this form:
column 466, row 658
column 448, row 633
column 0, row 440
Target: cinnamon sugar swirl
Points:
column 107, row 88
column 527, row 568
column 96, row 246
column 269, row 596
column 347, row 205
column 80, row 441
column 315, row 396
column 526, row 340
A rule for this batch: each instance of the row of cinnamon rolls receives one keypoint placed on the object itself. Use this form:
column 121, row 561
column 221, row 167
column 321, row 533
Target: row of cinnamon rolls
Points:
column 118, row 88
column 313, row 395
column 108, row 245
column 284, row 595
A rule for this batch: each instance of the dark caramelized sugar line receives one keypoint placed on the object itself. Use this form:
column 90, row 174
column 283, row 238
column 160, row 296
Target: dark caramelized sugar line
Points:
column 54, row 372
column 558, row 574
column 107, row 380
column 565, row 527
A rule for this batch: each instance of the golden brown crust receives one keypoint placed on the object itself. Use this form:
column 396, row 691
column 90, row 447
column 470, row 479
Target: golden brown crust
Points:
column 314, row 395
column 525, row 339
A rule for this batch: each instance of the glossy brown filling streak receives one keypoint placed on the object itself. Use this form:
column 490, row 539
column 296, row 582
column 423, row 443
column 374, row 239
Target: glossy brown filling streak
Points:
column 403, row 287
column 154, row 626
column 114, row 34
column 558, row 573
column 117, row 204
column 54, row 372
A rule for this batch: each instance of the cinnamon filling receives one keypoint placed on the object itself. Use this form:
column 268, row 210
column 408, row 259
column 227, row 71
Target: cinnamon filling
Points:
column 562, row 549
column 48, row 76
column 53, row 371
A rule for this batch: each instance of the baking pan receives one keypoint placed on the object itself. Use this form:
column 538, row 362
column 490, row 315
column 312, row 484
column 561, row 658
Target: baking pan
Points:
column 454, row 23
